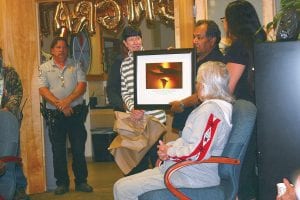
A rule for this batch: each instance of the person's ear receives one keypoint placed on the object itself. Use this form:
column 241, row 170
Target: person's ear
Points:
column 212, row 41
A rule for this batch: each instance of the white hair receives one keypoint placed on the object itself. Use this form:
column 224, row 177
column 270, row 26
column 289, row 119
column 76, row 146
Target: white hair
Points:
column 214, row 78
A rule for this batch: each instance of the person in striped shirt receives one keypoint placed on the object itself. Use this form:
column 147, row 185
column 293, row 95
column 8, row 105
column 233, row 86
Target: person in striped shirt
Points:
column 132, row 39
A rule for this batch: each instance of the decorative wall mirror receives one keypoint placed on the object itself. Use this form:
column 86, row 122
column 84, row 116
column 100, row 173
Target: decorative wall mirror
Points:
column 81, row 51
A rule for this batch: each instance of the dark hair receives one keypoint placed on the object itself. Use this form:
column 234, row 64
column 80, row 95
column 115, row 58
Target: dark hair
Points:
column 243, row 22
column 56, row 40
column 212, row 29
column 130, row 31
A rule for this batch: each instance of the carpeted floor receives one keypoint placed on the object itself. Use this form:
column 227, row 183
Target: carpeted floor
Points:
column 102, row 176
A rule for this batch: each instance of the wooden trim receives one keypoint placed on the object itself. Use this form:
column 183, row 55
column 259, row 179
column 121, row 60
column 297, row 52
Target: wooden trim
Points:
column 53, row 1
column 184, row 23
column 201, row 9
column 19, row 40
column 268, row 12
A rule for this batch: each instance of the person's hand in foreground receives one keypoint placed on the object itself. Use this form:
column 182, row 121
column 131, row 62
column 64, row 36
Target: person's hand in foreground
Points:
column 290, row 193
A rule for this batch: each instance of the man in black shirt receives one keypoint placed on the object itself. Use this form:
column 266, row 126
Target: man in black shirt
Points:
column 206, row 38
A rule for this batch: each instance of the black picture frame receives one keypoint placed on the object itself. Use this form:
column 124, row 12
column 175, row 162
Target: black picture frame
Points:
column 163, row 76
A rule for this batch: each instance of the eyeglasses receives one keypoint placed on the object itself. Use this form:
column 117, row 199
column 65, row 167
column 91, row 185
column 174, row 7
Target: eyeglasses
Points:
column 222, row 19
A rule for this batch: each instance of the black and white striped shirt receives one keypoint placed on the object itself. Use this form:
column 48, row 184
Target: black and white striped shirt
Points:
column 127, row 88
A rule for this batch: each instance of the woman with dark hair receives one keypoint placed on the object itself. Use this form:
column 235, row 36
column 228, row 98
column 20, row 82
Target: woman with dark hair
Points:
column 242, row 26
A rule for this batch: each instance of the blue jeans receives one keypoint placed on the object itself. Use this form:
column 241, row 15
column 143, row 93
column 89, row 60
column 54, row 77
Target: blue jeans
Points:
column 9, row 146
column 21, row 181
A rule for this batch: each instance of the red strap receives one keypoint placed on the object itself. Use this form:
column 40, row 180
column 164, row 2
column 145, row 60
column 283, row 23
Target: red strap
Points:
column 208, row 136
column 205, row 142
column 11, row 159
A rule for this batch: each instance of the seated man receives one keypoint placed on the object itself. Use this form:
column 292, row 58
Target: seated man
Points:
column 12, row 182
column 205, row 134
column 206, row 38
column 11, row 93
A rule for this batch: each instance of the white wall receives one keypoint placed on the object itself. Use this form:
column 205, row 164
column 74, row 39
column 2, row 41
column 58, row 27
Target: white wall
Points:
column 157, row 35
column 216, row 10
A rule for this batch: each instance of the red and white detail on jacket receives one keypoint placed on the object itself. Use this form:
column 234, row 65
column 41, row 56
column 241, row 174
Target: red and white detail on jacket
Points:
column 204, row 145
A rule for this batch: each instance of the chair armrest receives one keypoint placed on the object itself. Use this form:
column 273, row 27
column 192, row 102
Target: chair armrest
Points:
column 2, row 169
column 177, row 166
column 158, row 162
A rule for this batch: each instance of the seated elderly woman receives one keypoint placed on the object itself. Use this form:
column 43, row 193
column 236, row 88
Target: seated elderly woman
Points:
column 205, row 134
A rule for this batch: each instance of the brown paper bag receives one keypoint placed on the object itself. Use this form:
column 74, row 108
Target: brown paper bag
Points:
column 133, row 140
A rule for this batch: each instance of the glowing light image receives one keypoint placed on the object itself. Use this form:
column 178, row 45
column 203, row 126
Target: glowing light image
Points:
column 166, row 75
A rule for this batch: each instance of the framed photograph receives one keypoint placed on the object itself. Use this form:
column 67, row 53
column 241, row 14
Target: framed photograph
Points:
column 162, row 76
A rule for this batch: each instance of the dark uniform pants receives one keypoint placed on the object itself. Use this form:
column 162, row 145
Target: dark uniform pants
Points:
column 74, row 128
